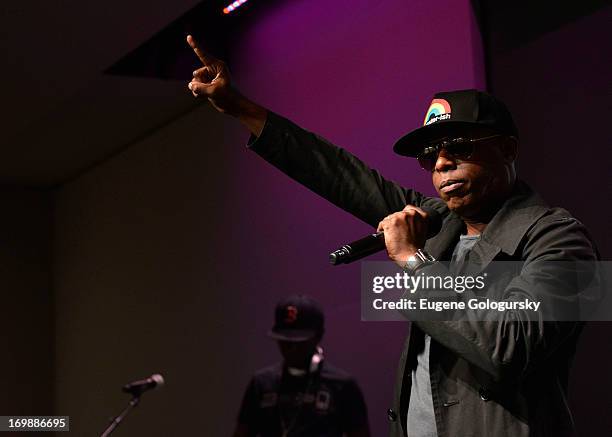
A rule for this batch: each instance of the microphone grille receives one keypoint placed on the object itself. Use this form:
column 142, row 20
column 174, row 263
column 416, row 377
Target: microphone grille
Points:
column 158, row 379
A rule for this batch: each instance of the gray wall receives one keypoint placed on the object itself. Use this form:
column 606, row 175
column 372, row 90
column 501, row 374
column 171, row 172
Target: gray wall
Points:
column 139, row 239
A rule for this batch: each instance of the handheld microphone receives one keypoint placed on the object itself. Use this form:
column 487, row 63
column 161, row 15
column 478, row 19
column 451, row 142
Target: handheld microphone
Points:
column 376, row 242
column 136, row 388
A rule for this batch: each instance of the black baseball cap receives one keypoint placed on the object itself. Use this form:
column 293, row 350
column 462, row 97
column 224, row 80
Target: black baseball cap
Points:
column 452, row 114
column 297, row 318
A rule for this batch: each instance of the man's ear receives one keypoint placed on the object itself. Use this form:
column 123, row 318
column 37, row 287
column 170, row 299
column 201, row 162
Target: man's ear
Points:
column 509, row 149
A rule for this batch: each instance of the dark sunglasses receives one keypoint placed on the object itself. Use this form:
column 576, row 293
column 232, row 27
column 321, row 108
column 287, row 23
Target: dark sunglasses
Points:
column 456, row 148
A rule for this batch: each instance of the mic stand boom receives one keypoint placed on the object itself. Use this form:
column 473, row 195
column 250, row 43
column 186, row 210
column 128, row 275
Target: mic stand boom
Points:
column 117, row 420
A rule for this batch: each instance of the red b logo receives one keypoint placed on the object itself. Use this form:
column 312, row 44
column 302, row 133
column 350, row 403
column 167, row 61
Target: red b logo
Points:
column 291, row 314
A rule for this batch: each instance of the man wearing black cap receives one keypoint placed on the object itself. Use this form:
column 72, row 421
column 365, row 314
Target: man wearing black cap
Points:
column 304, row 395
column 506, row 377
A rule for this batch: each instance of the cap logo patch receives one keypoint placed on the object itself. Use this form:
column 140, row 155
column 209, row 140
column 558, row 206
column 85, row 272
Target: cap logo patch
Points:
column 438, row 110
column 291, row 315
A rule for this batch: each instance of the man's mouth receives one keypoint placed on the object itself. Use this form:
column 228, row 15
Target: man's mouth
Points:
column 451, row 185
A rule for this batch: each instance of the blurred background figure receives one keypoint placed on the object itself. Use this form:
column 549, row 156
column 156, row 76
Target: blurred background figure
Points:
column 303, row 395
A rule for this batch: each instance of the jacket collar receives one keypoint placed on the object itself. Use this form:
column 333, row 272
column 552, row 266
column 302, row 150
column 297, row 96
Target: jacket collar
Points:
column 502, row 234
column 508, row 227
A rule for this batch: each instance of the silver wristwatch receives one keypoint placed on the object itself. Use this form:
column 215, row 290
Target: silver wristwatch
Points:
column 418, row 260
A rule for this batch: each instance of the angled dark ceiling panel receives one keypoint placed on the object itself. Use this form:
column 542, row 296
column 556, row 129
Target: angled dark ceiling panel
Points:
column 166, row 54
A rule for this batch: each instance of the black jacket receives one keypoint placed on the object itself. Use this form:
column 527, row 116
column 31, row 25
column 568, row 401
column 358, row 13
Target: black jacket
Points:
column 506, row 377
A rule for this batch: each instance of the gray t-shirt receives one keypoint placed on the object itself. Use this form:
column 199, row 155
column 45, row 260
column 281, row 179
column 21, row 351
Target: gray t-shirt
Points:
column 421, row 420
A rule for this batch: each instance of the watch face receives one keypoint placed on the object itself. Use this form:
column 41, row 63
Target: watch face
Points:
column 412, row 262
column 420, row 258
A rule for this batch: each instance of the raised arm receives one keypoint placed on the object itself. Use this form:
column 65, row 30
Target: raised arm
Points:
column 329, row 171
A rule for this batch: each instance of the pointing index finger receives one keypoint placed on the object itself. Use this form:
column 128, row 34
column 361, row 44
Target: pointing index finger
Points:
column 201, row 54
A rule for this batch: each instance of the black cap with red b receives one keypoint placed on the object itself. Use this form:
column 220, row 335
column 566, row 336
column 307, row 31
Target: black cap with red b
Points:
column 297, row 318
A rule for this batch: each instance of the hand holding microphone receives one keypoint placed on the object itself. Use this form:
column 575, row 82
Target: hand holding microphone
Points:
column 405, row 232
column 401, row 233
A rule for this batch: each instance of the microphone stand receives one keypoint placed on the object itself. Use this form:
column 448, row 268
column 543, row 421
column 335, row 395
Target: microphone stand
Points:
column 117, row 420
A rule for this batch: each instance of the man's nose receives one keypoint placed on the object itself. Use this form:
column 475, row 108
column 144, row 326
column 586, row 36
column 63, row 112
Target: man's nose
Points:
column 444, row 162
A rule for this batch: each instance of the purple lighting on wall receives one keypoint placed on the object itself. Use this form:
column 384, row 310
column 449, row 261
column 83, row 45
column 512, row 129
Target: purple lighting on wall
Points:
column 232, row 6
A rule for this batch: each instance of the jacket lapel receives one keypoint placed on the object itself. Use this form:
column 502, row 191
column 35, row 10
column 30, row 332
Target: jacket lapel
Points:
column 508, row 227
column 503, row 234
column 447, row 238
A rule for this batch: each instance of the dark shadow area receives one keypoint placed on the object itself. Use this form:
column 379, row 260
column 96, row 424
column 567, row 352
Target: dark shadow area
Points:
column 549, row 61
column 26, row 317
column 507, row 25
